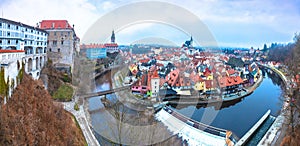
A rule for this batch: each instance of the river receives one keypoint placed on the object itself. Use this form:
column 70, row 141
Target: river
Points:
column 238, row 116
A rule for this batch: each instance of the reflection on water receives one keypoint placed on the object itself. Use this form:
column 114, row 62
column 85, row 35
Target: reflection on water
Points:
column 240, row 116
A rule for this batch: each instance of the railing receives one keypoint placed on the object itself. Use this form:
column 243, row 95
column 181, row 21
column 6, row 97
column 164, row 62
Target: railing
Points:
column 200, row 126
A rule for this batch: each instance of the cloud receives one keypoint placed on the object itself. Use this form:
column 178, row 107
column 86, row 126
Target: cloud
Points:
column 78, row 12
column 244, row 18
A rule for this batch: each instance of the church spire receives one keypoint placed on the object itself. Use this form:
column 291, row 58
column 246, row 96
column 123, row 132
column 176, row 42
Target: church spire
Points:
column 112, row 39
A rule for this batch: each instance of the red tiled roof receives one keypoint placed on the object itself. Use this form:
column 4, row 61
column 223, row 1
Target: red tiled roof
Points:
column 159, row 64
column 111, row 45
column 208, row 83
column 231, row 71
column 144, row 60
column 55, row 24
column 155, row 74
column 173, row 77
column 230, row 81
column 92, row 46
column 11, row 51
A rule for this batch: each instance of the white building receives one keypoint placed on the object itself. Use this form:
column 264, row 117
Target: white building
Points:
column 30, row 40
column 11, row 61
column 155, row 85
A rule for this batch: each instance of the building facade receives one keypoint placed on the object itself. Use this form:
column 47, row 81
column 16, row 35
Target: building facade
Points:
column 93, row 51
column 24, row 41
column 62, row 43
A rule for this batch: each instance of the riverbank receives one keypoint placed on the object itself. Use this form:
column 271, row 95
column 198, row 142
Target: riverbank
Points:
column 277, row 131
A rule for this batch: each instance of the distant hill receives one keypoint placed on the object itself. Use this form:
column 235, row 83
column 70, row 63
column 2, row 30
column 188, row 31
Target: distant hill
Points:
column 31, row 118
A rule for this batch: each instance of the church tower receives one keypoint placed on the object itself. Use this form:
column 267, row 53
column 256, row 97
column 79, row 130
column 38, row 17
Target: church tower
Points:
column 112, row 38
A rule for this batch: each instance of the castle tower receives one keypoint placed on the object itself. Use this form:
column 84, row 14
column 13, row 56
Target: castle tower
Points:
column 112, row 38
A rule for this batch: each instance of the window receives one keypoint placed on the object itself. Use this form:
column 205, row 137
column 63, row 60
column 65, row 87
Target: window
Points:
column 17, row 27
column 55, row 43
column 61, row 34
column 62, row 42
column 25, row 35
column 58, row 50
column 26, row 29
column 8, row 41
column 30, row 42
column 0, row 41
column 8, row 33
column 50, row 49
column 31, row 31
column 55, row 33
column 8, row 26
column 17, row 41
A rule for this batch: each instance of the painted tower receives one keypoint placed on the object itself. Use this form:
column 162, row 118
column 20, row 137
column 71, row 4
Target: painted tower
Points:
column 113, row 37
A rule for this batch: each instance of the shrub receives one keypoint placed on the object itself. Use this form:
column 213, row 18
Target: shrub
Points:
column 76, row 107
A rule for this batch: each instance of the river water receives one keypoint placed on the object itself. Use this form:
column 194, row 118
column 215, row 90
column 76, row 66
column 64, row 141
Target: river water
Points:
column 237, row 116
column 240, row 116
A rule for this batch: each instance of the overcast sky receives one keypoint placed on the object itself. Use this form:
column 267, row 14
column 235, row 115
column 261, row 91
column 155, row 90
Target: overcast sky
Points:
column 236, row 23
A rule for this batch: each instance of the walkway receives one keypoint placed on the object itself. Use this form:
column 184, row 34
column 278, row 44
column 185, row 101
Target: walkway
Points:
column 83, row 123
column 277, row 130
column 192, row 135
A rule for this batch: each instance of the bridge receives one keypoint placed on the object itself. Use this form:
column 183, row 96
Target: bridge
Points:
column 90, row 95
column 105, row 70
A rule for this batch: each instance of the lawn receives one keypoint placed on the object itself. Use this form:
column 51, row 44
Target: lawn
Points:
column 64, row 93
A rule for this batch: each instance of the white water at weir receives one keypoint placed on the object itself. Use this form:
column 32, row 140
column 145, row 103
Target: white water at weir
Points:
column 193, row 136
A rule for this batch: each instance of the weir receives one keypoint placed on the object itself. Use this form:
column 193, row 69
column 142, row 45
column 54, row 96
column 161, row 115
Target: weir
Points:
column 193, row 132
column 248, row 135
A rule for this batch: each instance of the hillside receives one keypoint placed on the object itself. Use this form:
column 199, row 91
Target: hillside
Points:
column 31, row 118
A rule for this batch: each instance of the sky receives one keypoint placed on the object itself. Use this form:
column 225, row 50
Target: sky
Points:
column 232, row 23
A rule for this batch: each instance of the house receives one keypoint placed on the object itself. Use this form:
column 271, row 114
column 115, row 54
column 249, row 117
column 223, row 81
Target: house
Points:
column 199, row 84
column 172, row 77
column 230, row 84
column 133, row 69
column 231, row 72
column 139, row 89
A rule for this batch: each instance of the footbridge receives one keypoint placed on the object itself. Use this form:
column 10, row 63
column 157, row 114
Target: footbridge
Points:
column 90, row 95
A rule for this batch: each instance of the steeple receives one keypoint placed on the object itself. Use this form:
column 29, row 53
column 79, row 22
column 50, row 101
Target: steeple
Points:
column 191, row 41
column 112, row 39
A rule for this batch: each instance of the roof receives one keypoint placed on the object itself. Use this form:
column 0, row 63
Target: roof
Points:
column 231, row 71
column 11, row 51
column 111, row 45
column 21, row 24
column 55, row 24
column 91, row 46
column 230, row 81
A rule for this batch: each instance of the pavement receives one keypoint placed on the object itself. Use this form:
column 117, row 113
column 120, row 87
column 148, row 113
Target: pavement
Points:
column 81, row 117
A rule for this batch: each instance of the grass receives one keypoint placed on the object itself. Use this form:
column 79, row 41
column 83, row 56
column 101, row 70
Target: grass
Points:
column 64, row 93
column 138, row 96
